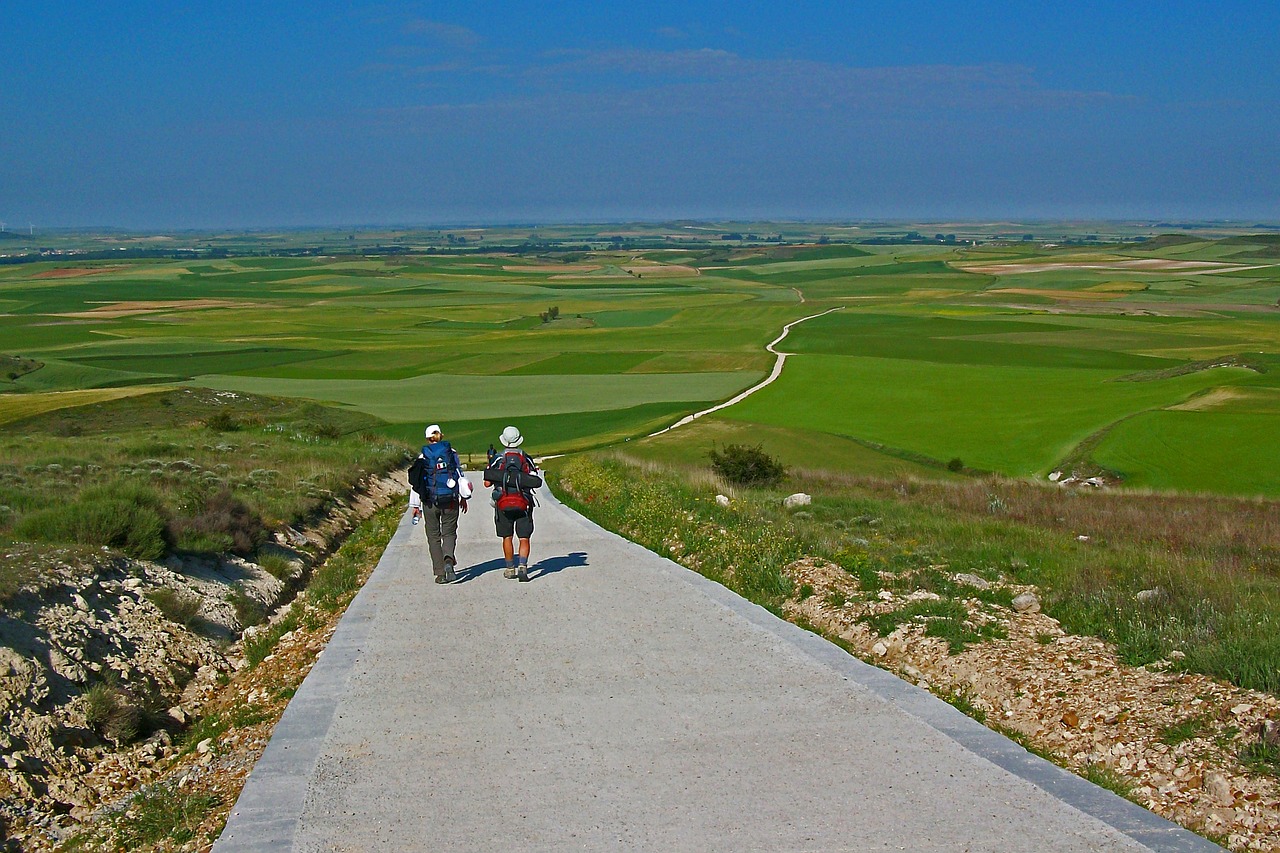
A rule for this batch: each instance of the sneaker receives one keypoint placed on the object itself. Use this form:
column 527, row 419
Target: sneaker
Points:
column 415, row 520
column 441, row 579
column 522, row 573
column 509, row 572
column 449, row 576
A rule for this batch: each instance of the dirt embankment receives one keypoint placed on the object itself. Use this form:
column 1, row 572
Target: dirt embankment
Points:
column 103, row 657
column 1172, row 740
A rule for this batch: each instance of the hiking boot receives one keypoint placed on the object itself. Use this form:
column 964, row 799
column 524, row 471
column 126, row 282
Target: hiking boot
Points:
column 441, row 579
column 509, row 572
column 449, row 576
column 522, row 574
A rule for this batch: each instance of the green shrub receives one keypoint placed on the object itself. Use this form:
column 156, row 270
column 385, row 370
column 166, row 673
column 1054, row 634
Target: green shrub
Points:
column 112, row 713
column 955, row 464
column 160, row 813
column 746, row 466
column 98, row 703
column 218, row 521
column 180, row 607
column 131, row 520
column 276, row 565
column 249, row 610
column 1262, row 756
column 222, row 421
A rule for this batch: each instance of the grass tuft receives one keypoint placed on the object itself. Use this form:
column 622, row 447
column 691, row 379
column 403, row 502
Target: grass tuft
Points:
column 176, row 605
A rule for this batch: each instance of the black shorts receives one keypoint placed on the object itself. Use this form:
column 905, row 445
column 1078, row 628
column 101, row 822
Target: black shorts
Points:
column 521, row 527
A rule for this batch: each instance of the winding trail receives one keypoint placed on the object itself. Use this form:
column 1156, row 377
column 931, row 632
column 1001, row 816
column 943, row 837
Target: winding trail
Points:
column 773, row 375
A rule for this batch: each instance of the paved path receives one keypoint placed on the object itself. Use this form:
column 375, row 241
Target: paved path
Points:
column 621, row 702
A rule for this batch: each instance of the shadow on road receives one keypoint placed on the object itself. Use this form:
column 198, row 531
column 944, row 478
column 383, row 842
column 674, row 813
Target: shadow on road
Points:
column 551, row 565
column 475, row 571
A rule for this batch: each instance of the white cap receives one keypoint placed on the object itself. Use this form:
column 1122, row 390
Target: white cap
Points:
column 511, row 437
column 434, row 429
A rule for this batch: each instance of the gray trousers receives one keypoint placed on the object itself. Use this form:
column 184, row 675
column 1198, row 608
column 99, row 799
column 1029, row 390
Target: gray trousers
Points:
column 440, row 523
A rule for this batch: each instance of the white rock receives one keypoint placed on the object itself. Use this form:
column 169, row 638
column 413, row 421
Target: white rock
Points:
column 204, row 746
column 884, row 595
column 1055, row 476
column 722, row 500
column 1082, row 538
column 798, row 499
column 880, row 650
column 1149, row 594
column 78, row 600
column 1027, row 603
column 973, row 581
column 1218, row 789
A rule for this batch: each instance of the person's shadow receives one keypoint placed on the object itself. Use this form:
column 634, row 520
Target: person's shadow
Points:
column 549, row 566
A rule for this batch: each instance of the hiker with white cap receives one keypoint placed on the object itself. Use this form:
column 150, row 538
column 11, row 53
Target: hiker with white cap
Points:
column 437, row 478
column 513, row 477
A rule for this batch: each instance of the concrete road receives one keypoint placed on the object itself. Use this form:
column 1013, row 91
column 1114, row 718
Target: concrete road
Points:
column 621, row 702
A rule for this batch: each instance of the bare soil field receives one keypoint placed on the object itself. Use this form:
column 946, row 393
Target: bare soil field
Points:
column 76, row 272
column 1075, row 295
column 1136, row 265
column 130, row 309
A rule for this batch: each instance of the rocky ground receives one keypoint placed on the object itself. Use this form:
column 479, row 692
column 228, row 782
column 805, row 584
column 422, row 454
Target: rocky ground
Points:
column 109, row 667
column 1170, row 740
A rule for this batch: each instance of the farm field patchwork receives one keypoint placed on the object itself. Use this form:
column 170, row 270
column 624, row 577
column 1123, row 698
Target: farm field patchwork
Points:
column 1011, row 355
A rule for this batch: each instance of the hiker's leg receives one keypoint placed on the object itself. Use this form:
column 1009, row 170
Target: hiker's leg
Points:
column 431, row 527
column 508, row 550
column 449, row 534
column 524, row 530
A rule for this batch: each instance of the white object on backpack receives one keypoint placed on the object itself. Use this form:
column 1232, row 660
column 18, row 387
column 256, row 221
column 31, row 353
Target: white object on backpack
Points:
column 464, row 488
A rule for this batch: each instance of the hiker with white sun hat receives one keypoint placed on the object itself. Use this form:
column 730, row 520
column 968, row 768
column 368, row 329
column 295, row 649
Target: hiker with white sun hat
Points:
column 513, row 477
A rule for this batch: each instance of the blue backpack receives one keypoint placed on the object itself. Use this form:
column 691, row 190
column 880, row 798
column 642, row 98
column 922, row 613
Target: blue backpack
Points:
column 440, row 474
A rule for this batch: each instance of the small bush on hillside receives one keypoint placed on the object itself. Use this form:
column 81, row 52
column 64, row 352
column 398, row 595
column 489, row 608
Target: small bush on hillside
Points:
column 222, row 421
column 127, row 517
column 112, row 713
column 276, row 565
column 955, row 464
column 219, row 521
column 162, row 813
column 746, row 466
column 249, row 610
column 180, row 607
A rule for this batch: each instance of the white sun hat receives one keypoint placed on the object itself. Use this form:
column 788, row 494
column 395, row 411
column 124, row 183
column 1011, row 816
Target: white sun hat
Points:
column 434, row 429
column 511, row 437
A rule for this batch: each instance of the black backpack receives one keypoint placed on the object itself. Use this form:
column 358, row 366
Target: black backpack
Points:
column 513, row 484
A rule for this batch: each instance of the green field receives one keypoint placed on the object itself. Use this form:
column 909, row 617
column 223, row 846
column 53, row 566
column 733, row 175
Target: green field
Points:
column 1156, row 362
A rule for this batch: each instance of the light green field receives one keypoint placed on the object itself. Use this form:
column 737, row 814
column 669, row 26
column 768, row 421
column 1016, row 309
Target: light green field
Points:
column 1217, row 452
column 1017, row 420
column 442, row 397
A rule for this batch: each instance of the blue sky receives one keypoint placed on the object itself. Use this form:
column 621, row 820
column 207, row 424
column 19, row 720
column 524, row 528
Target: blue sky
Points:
column 237, row 114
